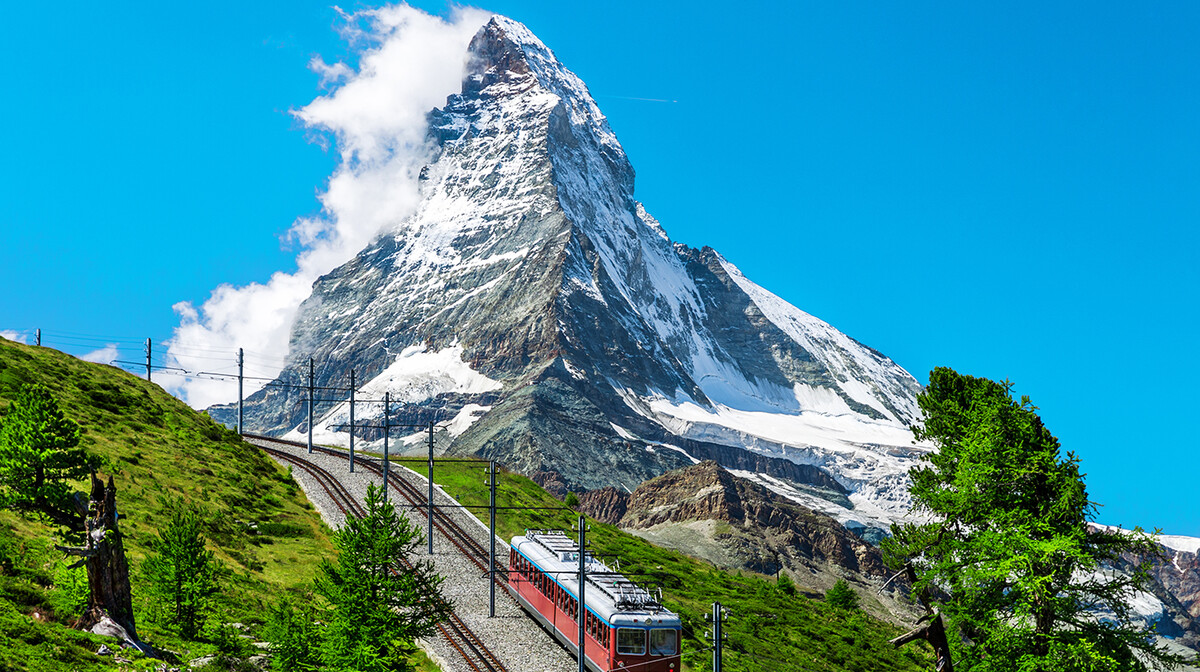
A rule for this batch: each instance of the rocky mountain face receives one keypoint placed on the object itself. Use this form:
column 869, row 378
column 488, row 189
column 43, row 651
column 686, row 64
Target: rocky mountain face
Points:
column 707, row 512
column 1178, row 572
column 534, row 309
column 756, row 529
column 1172, row 602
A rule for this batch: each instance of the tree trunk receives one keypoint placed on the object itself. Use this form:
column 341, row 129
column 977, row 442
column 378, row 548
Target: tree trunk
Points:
column 109, row 599
column 934, row 632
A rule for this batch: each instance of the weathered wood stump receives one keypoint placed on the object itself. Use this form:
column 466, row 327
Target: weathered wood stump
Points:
column 110, row 604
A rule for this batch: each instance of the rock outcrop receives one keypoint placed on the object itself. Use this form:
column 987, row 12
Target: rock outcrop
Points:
column 755, row 528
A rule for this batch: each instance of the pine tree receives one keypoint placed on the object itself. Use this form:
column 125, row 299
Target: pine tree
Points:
column 295, row 639
column 40, row 456
column 842, row 596
column 1008, row 559
column 182, row 574
column 381, row 599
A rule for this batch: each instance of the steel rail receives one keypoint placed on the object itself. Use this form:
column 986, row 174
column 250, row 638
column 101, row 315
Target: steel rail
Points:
column 454, row 631
column 442, row 521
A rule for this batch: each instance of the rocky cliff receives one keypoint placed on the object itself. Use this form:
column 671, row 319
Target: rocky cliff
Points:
column 709, row 513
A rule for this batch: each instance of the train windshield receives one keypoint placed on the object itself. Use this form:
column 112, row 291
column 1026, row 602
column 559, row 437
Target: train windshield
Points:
column 631, row 641
column 662, row 642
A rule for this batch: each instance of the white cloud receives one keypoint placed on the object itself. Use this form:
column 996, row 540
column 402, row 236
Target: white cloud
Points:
column 408, row 61
column 14, row 336
column 104, row 355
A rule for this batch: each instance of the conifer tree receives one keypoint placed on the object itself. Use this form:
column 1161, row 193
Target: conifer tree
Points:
column 182, row 574
column 1007, row 566
column 40, row 456
column 842, row 596
column 381, row 599
column 294, row 637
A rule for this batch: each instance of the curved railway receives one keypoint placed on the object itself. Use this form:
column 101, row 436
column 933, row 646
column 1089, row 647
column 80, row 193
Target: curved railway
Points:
column 467, row 544
column 474, row 653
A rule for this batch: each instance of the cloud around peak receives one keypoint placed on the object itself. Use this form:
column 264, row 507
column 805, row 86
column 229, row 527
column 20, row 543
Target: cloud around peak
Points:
column 374, row 111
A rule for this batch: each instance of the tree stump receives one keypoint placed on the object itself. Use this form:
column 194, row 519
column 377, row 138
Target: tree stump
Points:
column 110, row 604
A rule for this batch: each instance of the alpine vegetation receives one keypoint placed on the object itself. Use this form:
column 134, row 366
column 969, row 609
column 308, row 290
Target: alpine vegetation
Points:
column 1008, row 569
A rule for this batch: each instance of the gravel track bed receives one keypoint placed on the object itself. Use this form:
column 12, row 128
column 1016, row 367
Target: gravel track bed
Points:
column 515, row 638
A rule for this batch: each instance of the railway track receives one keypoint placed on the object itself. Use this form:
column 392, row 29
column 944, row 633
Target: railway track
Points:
column 474, row 652
column 467, row 544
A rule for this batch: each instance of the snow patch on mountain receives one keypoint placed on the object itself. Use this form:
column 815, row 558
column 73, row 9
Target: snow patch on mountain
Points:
column 851, row 361
column 819, row 400
column 415, row 376
column 1180, row 543
column 870, row 457
column 466, row 417
column 1175, row 542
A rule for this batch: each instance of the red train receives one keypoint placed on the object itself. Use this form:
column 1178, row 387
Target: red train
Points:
column 627, row 628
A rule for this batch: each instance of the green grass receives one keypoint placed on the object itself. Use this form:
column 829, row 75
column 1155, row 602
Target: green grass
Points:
column 158, row 450
column 768, row 628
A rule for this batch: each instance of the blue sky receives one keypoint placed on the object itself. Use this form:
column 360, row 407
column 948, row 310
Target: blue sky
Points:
column 1010, row 191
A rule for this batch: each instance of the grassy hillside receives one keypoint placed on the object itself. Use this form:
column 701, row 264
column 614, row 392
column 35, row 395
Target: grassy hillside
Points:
column 257, row 521
column 160, row 450
column 769, row 628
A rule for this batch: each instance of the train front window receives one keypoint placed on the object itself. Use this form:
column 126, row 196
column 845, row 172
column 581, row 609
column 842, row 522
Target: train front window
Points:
column 631, row 641
column 662, row 642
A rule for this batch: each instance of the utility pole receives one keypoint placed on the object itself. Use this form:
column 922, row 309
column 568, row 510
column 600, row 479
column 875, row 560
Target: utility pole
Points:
column 241, row 364
column 310, row 403
column 147, row 360
column 387, row 429
column 352, row 421
column 492, row 538
column 37, row 338
column 429, row 527
column 582, row 582
column 717, row 616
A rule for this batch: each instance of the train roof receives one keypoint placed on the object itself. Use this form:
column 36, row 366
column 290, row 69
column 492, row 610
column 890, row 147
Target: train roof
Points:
column 609, row 593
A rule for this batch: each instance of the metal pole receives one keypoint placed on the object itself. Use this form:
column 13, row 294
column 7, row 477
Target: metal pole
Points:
column 582, row 582
column 241, row 364
column 351, row 420
column 310, row 403
column 716, row 619
column 492, row 537
column 37, row 338
column 429, row 528
column 387, row 428
column 147, row 360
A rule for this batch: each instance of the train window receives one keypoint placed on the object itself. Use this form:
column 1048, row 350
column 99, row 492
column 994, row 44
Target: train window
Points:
column 631, row 641
column 662, row 642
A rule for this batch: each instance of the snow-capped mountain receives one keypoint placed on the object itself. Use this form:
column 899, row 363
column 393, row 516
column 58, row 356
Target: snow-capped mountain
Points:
column 535, row 307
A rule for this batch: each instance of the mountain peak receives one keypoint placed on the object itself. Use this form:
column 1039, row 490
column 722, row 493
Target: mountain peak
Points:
column 496, row 56
column 615, row 354
column 505, row 59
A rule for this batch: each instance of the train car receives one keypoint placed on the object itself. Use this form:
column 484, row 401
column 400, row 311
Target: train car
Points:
column 627, row 628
